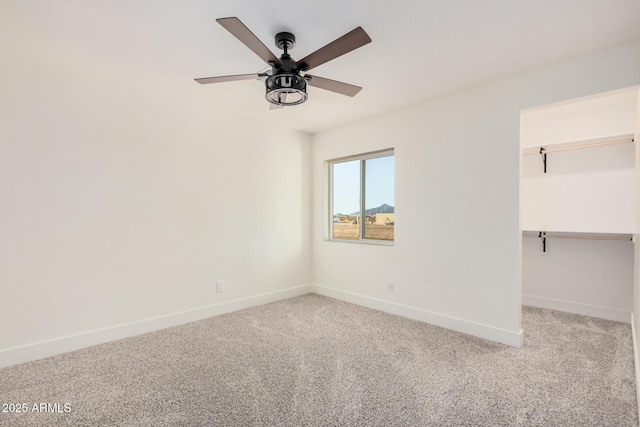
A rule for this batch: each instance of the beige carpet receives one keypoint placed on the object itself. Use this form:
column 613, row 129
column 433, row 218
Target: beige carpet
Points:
column 315, row 361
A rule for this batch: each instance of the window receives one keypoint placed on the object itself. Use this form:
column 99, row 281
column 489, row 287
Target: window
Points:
column 361, row 205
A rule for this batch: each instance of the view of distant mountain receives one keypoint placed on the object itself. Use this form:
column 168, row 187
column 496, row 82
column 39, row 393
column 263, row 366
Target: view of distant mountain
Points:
column 384, row 208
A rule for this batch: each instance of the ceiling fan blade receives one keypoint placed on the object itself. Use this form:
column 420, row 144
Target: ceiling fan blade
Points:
column 345, row 44
column 220, row 79
column 242, row 33
column 334, row 86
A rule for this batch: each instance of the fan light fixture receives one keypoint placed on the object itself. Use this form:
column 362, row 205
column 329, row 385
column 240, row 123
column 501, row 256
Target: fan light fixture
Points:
column 286, row 89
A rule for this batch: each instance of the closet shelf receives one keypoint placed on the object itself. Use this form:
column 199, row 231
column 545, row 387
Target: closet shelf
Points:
column 544, row 235
column 543, row 150
column 578, row 235
column 575, row 145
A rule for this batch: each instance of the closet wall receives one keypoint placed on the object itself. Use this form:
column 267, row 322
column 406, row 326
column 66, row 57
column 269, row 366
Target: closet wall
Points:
column 583, row 204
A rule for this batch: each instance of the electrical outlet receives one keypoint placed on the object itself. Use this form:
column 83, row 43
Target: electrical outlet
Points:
column 219, row 286
column 390, row 286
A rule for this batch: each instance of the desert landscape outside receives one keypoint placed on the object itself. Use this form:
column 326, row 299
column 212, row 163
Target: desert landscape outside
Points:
column 348, row 229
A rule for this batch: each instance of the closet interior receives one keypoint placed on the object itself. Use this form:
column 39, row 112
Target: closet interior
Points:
column 579, row 204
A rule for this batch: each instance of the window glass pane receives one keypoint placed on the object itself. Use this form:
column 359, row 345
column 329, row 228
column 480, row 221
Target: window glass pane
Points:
column 346, row 200
column 379, row 205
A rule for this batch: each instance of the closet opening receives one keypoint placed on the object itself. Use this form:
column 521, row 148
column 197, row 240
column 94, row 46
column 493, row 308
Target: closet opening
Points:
column 579, row 205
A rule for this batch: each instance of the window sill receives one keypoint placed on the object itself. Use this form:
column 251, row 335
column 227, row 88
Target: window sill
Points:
column 364, row 242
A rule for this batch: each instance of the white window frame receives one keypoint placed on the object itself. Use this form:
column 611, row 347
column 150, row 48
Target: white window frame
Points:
column 362, row 158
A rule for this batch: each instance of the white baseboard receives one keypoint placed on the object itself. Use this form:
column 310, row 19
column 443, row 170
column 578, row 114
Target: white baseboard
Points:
column 39, row 350
column 491, row 333
column 636, row 361
column 578, row 308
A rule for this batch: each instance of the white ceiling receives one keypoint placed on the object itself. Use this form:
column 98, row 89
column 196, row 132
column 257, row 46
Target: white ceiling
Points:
column 420, row 49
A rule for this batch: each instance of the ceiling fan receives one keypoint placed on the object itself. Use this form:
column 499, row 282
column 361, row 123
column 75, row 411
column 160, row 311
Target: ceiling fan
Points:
column 286, row 80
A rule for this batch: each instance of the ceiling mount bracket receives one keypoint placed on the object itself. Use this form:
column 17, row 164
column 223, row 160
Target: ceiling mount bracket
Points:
column 285, row 41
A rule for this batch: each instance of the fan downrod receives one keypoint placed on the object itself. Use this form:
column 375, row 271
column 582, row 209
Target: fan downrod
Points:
column 285, row 41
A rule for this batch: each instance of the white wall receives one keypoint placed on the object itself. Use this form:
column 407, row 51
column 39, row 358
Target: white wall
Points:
column 600, row 115
column 585, row 190
column 636, row 276
column 456, row 259
column 589, row 277
column 125, row 200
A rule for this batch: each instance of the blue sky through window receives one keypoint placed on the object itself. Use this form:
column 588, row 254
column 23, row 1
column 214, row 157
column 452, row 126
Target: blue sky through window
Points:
column 379, row 184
